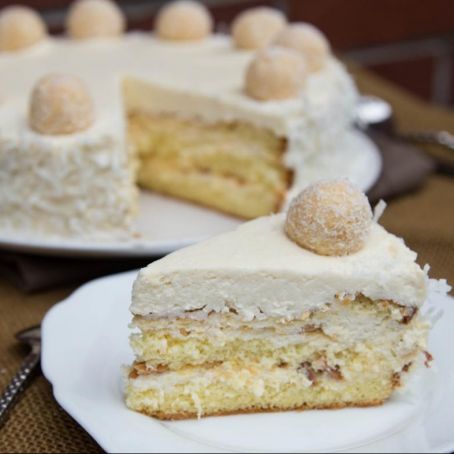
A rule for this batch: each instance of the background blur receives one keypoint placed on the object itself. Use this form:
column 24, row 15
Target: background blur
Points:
column 410, row 42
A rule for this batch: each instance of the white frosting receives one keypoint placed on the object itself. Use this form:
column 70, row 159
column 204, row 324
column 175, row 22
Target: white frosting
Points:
column 203, row 79
column 259, row 272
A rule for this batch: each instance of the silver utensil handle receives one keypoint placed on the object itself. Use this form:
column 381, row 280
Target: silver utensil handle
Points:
column 16, row 385
column 443, row 138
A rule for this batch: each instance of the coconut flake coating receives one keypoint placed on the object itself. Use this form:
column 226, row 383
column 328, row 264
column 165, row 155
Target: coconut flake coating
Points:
column 330, row 218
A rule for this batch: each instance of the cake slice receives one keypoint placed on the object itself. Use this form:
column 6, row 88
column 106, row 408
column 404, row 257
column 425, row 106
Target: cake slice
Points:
column 316, row 310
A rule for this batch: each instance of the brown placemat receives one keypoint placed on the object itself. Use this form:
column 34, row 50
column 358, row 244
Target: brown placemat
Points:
column 37, row 423
column 425, row 218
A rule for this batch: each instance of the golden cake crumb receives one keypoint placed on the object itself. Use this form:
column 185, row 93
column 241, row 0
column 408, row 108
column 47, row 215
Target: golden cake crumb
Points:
column 20, row 27
column 256, row 28
column 275, row 73
column 60, row 104
column 184, row 21
column 94, row 19
column 330, row 218
column 308, row 40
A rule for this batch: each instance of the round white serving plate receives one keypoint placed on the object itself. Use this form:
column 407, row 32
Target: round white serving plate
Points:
column 85, row 343
column 167, row 224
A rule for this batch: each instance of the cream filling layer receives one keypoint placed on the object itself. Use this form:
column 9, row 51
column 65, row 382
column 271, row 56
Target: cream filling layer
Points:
column 355, row 321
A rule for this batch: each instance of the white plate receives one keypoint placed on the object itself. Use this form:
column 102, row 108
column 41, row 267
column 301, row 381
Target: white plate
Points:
column 85, row 342
column 167, row 224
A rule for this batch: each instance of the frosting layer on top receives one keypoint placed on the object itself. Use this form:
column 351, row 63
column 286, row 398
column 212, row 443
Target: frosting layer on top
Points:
column 258, row 272
column 209, row 73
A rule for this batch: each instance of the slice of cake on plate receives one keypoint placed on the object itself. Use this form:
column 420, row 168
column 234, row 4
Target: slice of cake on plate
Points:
column 316, row 309
column 223, row 121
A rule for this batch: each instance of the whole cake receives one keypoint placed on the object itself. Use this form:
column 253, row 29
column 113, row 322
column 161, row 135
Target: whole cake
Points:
column 223, row 121
column 316, row 309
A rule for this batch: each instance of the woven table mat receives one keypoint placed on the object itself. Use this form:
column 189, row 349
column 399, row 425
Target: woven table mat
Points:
column 424, row 218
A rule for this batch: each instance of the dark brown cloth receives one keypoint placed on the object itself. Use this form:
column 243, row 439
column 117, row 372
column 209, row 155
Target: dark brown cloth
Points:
column 404, row 168
column 34, row 272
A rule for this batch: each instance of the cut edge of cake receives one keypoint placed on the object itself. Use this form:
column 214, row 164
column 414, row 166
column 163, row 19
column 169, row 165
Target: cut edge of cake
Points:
column 253, row 321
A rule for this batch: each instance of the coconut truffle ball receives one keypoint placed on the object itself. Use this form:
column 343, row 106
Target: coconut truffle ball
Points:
column 184, row 20
column 20, row 27
column 60, row 104
column 256, row 28
column 94, row 19
column 274, row 74
column 330, row 218
column 308, row 40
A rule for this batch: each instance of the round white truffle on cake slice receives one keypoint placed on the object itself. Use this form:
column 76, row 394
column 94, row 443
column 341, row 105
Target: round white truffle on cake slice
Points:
column 330, row 217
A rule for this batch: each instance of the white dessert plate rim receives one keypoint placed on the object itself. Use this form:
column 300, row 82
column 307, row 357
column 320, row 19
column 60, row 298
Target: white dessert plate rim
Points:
column 85, row 374
column 167, row 224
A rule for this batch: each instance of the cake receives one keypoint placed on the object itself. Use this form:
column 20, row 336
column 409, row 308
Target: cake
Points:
column 225, row 122
column 316, row 309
